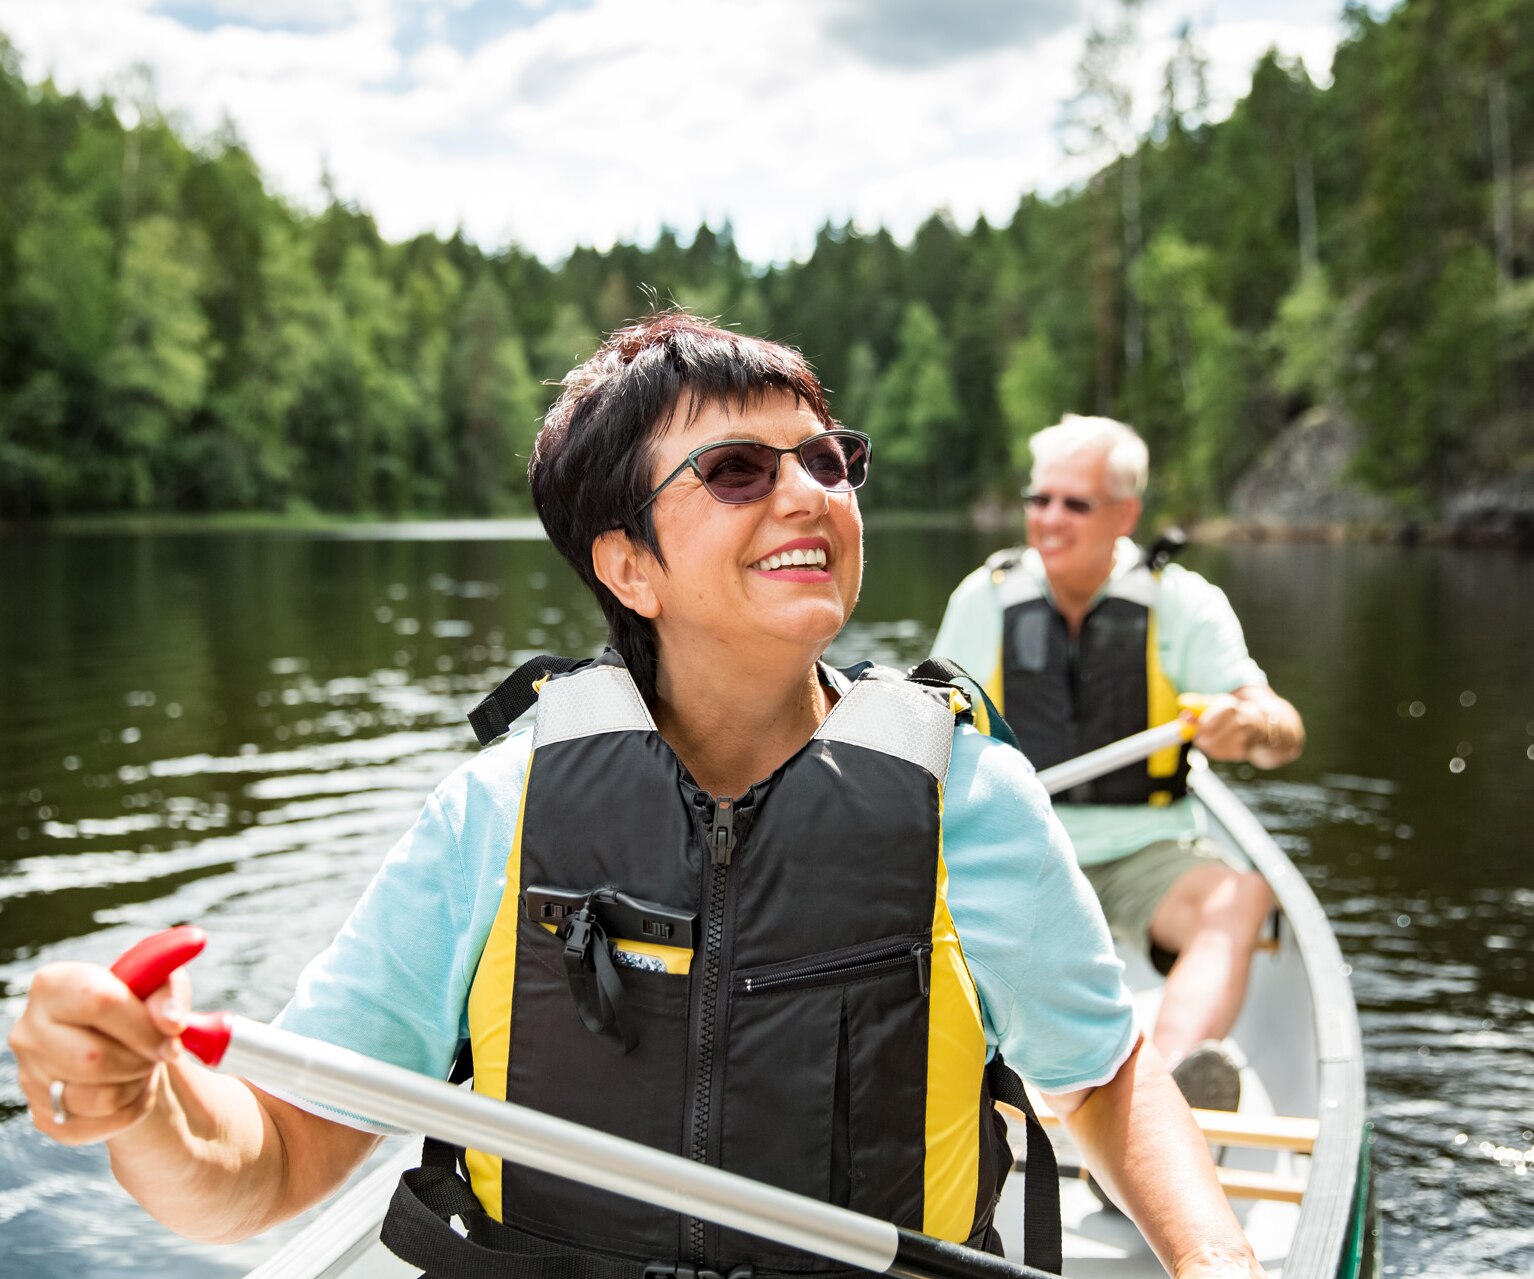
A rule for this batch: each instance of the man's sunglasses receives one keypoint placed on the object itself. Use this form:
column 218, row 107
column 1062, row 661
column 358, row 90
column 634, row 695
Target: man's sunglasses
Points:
column 1075, row 505
column 741, row 471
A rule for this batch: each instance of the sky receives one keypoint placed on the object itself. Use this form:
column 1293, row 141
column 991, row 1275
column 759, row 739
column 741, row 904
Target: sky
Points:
column 556, row 123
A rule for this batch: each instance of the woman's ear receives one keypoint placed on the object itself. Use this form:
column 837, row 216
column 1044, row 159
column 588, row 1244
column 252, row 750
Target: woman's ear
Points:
column 628, row 571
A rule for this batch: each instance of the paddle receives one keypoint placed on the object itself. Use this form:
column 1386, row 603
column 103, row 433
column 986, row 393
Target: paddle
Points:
column 360, row 1085
column 1128, row 750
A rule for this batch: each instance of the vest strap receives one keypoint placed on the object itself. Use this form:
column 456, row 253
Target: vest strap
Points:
column 1042, row 1246
column 593, row 980
column 940, row 671
column 511, row 698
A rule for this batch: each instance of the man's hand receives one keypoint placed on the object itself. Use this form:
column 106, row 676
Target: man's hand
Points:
column 1252, row 724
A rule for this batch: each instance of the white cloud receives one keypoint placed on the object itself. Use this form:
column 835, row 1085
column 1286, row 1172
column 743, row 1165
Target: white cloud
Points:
column 599, row 123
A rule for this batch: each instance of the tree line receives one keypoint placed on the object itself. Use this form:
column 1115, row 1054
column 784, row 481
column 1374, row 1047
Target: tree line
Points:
column 175, row 337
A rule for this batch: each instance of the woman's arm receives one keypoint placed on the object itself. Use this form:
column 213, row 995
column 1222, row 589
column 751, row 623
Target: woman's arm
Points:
column 207, row 1154
column 1141, row 1143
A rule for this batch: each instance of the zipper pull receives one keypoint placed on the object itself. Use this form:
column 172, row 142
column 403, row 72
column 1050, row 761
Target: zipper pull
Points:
column 721, row 835
column 922, row 954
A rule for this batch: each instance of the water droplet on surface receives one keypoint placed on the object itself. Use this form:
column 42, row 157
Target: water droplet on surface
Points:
column 1464, row 748
column 130, row 735
column 1403, row 921
column 1467, row 698
column 1417, row 710
column 1456, row 765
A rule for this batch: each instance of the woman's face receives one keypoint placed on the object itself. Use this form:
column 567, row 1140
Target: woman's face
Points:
column 718, row 585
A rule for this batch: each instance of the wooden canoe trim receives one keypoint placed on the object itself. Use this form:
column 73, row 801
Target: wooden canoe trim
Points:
column 1237, row 1183
column 1295, row 1133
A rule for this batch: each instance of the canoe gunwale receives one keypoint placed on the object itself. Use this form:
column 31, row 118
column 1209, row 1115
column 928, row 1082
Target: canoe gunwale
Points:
column 1320, row 1244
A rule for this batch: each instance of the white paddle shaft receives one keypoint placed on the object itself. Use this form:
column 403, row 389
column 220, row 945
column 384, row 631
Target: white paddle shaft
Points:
column 1105, row 759
column 388, row 1094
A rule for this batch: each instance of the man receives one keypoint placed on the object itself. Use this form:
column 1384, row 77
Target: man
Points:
column 1080, row 643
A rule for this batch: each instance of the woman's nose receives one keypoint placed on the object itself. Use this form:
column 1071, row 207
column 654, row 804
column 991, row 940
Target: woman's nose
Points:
column 797, row 488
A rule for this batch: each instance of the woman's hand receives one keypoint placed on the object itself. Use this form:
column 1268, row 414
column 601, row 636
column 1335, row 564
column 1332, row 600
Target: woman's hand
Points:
column 91, row 1053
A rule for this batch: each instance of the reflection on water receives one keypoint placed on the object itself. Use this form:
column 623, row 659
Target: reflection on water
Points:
column 233, row 728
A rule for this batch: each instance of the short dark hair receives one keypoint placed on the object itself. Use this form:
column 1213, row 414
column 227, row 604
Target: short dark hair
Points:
column 593, row 460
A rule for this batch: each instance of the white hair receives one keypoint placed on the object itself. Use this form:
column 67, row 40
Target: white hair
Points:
column 1125, row 453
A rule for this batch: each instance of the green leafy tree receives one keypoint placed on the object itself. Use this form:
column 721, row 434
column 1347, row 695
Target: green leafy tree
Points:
column 156, row 372
column 914, row 411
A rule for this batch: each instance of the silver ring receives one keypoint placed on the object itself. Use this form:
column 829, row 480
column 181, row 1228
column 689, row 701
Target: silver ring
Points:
column 56, row 1099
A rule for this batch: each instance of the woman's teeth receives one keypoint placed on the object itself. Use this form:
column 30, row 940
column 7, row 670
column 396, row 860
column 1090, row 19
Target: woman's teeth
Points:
column 800, row 558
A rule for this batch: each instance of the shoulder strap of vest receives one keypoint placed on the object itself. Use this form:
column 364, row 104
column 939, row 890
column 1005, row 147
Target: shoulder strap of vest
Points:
column 1005, row 560
column 941, row 671
column 1042, row 1246
column 1161, row 551
column 515, row 694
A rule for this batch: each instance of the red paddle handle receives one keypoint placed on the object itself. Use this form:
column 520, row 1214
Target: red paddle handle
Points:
column 145, row 967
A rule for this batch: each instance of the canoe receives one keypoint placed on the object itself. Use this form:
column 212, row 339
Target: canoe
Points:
column 1295, row 1158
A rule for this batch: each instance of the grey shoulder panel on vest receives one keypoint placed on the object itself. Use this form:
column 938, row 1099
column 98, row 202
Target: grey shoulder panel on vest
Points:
column 1138, row 586
column 1016, row 585
column 596, row 699
column 895, row 719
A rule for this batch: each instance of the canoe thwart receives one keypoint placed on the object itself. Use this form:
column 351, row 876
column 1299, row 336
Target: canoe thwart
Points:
column 1295, row 1133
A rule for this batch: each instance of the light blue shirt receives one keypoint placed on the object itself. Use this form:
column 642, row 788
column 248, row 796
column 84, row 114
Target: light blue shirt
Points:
column 1201, row 648
column 394, row 983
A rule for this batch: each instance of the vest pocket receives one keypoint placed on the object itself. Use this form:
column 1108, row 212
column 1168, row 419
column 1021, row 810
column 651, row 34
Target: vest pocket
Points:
column 825, row 1081
column 558, row 1066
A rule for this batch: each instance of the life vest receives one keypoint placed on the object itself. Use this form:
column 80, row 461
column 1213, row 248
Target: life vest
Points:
column 1063, row 697
column 772, row 985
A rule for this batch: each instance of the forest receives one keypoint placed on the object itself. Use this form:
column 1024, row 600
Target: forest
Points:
column 176, row 338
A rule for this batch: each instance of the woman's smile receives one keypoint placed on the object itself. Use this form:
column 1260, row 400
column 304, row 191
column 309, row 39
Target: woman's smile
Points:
column 804, row 559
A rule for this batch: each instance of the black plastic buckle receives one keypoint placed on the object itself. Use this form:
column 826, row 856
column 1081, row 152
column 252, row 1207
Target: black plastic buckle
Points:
column 685, row 1270
column 578, row 939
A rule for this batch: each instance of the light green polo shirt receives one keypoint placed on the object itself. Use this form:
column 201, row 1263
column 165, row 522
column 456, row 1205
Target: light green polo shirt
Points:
column 1202, row 650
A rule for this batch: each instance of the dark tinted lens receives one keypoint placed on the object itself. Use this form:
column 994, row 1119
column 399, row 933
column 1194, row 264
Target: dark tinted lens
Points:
column 839, row 462
column 738, row 472
column 1075, row 505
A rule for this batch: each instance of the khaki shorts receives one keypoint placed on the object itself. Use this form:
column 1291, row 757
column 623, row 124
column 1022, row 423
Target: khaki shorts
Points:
column 1130, row 888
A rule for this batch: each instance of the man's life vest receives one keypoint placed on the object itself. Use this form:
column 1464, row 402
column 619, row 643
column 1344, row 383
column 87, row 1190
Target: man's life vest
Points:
column 770, row 984
column 1063, row 696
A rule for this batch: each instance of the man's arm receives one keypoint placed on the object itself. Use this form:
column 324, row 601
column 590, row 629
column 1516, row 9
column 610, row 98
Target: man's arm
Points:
column 1140, row 1141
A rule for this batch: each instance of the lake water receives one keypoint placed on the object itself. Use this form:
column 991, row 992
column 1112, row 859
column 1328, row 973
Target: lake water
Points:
column 232, row 728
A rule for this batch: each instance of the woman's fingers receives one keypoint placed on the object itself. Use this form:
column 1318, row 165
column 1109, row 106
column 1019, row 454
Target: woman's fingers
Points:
column 77, row 1114
column 89, row 997
column 87, row 1049
column 168, row 1007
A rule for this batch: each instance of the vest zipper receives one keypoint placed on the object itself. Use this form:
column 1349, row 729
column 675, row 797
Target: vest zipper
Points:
column 883, row 957
column 722, row 840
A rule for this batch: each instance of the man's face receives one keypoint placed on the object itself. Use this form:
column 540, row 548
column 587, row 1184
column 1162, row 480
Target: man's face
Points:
column 1073, row 523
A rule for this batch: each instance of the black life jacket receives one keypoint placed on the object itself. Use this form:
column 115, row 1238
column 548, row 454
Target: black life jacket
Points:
column 771, row 985
column 1064, row 697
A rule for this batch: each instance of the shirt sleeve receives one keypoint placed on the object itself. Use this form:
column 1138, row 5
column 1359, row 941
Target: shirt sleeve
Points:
column 1051, row 986
column 1205, row 648
column 394, row 983
column 970, row 632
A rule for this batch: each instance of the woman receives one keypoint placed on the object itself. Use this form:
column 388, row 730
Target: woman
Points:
column 713, row 900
